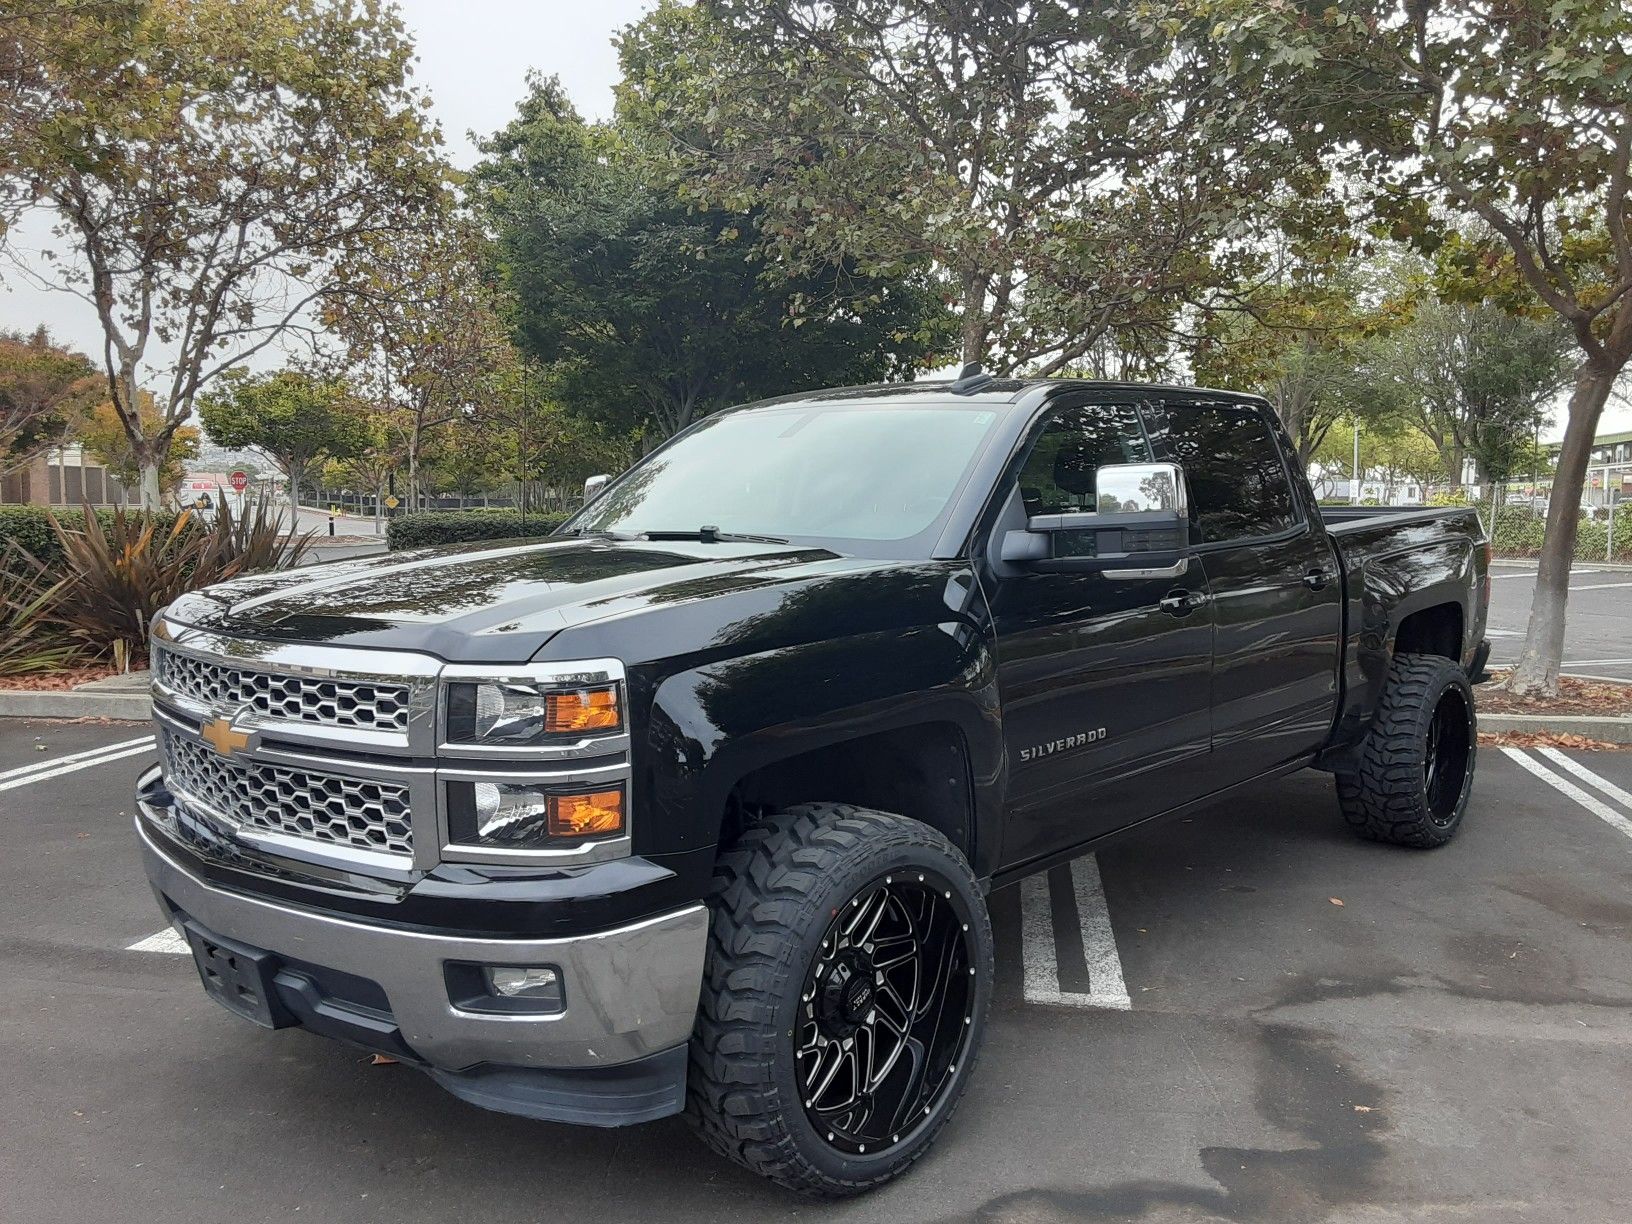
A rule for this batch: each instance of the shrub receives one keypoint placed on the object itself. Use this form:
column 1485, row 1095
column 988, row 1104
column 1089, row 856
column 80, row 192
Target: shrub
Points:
column 121, row 570
column 30, row 529
column 427, row 529
column 26, row 594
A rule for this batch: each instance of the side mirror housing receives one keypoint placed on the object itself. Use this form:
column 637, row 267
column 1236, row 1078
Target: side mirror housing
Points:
column 1140, row 528
column 594, row 485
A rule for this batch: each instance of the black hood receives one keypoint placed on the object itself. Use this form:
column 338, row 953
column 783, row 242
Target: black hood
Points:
column 491, row 602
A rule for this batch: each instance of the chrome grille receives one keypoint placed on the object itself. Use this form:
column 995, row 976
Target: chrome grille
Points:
column 364, row 704
column 301, row 803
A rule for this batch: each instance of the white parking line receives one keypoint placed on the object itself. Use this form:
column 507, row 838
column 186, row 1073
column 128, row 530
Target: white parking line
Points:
column 1600, row 586
column 162, row 941
column 1040, row 957
column 1586, row 775
column 63, row 765
column 1564, row 786
column 20, row 770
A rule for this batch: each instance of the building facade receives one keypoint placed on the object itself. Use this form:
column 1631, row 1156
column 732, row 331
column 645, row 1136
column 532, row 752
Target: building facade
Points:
column 61, row 476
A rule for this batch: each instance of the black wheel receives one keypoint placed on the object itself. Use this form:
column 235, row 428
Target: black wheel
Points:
column 1416, row 766
column 848, row 977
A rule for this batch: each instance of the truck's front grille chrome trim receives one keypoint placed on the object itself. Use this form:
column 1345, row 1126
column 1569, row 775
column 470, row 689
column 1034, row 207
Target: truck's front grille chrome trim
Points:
column 360, row 704
column 355, row 813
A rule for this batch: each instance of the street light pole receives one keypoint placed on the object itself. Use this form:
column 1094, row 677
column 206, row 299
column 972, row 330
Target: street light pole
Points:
column 1354, row 484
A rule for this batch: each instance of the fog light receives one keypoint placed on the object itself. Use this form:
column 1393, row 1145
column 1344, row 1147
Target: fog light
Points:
column 524, row 982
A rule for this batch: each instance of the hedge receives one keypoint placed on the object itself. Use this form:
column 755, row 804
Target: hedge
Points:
column 1519, row 534
column 429, row 528
column 30, row 526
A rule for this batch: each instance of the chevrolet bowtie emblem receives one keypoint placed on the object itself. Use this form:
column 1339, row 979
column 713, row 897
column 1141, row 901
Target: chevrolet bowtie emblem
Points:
column 220, row 734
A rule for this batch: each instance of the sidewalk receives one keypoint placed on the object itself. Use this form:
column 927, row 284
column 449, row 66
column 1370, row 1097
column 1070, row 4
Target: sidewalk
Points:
column 119, row 697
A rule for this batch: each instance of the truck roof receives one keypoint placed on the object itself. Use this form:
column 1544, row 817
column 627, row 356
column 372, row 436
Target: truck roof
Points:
column 992, row 391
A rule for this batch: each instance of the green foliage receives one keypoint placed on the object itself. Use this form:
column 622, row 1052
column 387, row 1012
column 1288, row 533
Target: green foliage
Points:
column 31, row 528
column 1306, row 341
column 1477, row 379
column 434, row 528
column 209, row 165
column 103, row 434
column 1073, row 172
column 26, row 593
column 121, row 569
column 654, row 313
column 295, row 418
column 43, row 388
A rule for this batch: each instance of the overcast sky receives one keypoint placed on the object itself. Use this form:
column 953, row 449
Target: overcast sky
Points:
column 474, row 56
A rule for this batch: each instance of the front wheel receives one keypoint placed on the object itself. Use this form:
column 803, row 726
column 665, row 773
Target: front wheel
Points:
column 1416, row 766
column 848, row 978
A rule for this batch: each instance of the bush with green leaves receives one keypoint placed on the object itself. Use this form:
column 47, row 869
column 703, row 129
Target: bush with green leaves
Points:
column 430, row 528
column 30, row 529
column 27, row 589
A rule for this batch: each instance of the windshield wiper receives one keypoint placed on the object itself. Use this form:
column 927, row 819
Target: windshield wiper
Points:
column 587, row 533
column 713, row 535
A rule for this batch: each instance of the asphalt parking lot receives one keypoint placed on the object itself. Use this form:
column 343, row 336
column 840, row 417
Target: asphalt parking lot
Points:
column 1189, row 1027
column 1598, row 639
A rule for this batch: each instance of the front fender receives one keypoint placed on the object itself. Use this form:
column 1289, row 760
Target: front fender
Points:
column 712, row 725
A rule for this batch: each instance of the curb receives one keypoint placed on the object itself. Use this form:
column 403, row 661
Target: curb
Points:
column 128, row 707
column 1607, row 728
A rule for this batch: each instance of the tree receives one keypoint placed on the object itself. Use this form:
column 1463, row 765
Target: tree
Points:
column 1400, row 453
column 1304, row 338
column 653, row 313
column 1073, row 171
column 465, row 458
column 294, row 418
column 43, row 388
column 372, row 465
column 1478, row 380
column 422, row 325
column 1517, row 117
column 103, row 434
column 206, row 163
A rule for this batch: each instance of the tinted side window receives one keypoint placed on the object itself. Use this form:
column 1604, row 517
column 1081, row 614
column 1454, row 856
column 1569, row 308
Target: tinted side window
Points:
column 1058, row 477
column 1237, row 479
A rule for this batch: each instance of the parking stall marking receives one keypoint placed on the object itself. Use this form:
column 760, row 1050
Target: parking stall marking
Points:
column 1609, row 788
column 166, row 941
column 1618, row 821
column 23, row 775
column 1090, row 942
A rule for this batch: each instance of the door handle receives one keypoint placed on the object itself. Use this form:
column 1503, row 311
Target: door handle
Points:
column 1180, row 603
column 1316, row 579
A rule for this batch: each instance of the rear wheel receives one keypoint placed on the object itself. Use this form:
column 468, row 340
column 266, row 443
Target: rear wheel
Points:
column 849, row 973
column 1416, row 766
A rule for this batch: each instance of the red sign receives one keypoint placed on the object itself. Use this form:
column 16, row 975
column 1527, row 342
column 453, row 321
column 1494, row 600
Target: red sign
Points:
column 239, row 479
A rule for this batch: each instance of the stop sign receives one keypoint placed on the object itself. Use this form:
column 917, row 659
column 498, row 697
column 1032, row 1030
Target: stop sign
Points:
column 240, row 480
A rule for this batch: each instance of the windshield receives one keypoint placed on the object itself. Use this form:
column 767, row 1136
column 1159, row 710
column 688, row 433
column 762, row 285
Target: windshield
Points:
column 877, row 480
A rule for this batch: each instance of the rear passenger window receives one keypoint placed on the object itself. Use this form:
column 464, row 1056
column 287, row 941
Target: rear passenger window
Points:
column 1237, row 479
column 1059, row 475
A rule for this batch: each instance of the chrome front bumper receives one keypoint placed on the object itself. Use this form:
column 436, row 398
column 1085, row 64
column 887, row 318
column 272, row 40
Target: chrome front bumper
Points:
column 630, row 992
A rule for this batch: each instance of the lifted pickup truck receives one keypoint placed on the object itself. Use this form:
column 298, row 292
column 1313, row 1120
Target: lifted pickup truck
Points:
column 695, row 806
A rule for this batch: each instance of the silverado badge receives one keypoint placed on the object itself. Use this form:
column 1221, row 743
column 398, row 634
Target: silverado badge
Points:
column 227, row 740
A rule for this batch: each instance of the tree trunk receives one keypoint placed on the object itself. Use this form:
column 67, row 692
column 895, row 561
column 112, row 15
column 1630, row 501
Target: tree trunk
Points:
column 1537, row 670
column 152, row 493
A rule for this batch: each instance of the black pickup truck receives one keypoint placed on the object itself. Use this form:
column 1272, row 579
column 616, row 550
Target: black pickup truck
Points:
column 695, row 806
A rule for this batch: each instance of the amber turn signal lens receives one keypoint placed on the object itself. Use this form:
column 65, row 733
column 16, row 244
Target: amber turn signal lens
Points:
column 582, row 815
column 582, row 710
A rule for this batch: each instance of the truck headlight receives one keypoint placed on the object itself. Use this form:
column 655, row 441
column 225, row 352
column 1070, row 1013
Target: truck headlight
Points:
column 523, row 712
column 527, row 816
